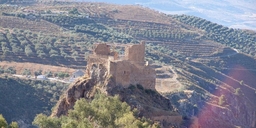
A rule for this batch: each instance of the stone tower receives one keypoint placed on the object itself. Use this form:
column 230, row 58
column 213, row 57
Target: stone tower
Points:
column 125, row 71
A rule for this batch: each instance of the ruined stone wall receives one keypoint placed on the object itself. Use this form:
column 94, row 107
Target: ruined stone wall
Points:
column 121, row 71
column 95, row 61
column 126, row 73
column 145, row 76
column 130, row 70
column 102, row 49
column 135, row 53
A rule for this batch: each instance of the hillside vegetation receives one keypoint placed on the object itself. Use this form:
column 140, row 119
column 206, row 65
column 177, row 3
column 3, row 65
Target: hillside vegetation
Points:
column 96, row 113
column 215, row 64
column 4, row 124
column 22, row 99
column 235, row 38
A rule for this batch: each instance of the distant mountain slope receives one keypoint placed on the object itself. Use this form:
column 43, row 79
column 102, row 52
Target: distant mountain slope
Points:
column 237, row 39
column 231, row 13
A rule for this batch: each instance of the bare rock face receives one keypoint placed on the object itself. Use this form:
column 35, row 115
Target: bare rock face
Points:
column 75, row 92
column 84, row 87
column 149, row 103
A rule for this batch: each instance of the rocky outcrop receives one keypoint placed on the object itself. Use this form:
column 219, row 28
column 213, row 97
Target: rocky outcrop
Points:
column 84, row 87
column 149, row 103
column 79, row 89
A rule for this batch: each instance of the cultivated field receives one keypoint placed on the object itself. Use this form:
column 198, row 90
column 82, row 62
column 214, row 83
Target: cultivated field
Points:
column 20, row 67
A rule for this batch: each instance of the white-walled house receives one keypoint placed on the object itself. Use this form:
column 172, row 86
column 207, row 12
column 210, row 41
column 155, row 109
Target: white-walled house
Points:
column 41, row 77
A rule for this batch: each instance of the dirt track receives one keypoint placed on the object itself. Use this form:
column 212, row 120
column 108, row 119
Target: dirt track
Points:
column 20, row 67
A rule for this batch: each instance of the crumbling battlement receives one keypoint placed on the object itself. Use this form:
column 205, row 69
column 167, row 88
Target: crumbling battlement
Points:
column 124, row 70
column 135, row 53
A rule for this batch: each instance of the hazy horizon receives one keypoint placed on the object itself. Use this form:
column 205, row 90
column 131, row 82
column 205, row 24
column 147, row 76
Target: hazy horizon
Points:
column 230, row 13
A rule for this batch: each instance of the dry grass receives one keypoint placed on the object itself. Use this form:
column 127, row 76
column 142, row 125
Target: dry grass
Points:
column 135, row 13
column 166, row 85
column 35, row 67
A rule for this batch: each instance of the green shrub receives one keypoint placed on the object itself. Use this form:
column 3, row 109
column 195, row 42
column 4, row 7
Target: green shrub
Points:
column 26, row 72
column 238, row 91
column 10, row 70
column 48, row 74
column 140, row 87
column 150, row 92
column 131, row 87
column 222, row 100
column 4, row 124
column 39, row 72
column 13, row 125
column 62, row 75
column 1, row 70
column 102, row 111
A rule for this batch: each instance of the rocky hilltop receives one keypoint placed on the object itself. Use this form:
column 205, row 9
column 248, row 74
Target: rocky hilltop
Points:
column 147, row 101
column 150, row 104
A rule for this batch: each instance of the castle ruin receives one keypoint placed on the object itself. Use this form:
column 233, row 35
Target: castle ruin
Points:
column 125, row 70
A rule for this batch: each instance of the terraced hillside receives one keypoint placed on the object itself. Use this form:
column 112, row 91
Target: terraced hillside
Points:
column 239, row 39
column 212, row 66
column 214, row 88
column 38, row 26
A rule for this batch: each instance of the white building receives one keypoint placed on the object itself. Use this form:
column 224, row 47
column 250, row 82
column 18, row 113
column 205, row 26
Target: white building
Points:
column 41, row 77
